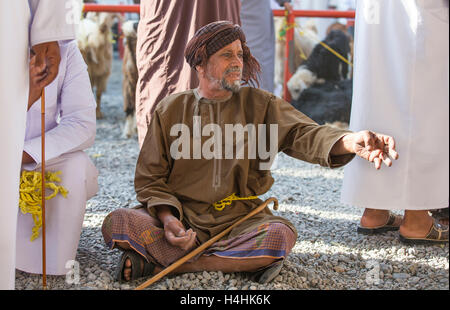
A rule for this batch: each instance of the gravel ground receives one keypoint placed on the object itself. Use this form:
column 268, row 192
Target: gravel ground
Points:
column 328, row 255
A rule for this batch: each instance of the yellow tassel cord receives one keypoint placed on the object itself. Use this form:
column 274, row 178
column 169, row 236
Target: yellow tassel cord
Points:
column 219, row 206
column 30, row 195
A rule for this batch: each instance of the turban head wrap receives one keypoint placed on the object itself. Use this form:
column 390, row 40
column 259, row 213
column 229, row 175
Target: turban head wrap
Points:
column 211, row 38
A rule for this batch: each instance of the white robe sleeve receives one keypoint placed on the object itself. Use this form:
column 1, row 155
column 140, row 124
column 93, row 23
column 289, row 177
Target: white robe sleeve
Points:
column 77, row 127
column 51, row 20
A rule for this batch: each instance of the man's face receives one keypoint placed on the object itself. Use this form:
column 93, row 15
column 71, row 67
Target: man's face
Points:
column 224, row 68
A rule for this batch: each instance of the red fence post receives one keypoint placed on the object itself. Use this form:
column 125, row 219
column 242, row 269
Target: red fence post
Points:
column 288, row 54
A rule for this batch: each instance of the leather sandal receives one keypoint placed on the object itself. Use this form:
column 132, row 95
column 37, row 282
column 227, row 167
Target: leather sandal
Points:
column 389, row 226
column 440, row 214
column 438, row 234
column 139, row 266
column 267, row 274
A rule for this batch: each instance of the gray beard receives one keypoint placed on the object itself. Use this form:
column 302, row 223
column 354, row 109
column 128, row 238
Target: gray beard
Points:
column 234, row 87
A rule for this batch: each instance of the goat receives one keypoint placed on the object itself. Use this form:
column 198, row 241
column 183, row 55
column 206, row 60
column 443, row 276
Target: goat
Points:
column 322, row 65
column 130, row 77
column 94, row 40
column 303, row 42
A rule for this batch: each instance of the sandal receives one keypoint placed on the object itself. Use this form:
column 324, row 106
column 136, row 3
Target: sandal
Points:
column 440, row 214
column 438, row 234
column 389, row 226
column 136, row 259
column 267, row 274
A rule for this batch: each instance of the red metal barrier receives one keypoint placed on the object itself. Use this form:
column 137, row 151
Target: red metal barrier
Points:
column 113, row 8
column 318, row 13
column 290, row 15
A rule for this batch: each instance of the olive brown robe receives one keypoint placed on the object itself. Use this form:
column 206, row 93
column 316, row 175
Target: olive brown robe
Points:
column 192, row 183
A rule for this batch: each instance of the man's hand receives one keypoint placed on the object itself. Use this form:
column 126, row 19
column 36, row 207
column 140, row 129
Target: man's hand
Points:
column 369, row 145
column 47, row 62
column 177, row 235
column 27, row 159
column 174, row 231
column 36, row 75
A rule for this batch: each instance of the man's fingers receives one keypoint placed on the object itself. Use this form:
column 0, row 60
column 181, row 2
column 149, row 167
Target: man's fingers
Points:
column 40, row 60
column 377, row 162
column 191, row 241
column 389, row 143
column 393, row 154
column 185, row 242
column 387, row 161
column 373, row 155
column 368, row 140
column 181, row 233
column 49, row 77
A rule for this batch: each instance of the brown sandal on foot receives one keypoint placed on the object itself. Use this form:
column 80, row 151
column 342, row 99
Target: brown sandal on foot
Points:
column 389, row 226
column 438, row 234
column 139, row 266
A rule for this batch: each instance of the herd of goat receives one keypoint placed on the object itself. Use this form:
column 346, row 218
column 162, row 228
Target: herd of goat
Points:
column 316, row 66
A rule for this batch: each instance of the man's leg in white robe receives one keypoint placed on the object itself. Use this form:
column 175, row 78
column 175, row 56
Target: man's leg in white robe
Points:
column 14, row 16
column 64, row 217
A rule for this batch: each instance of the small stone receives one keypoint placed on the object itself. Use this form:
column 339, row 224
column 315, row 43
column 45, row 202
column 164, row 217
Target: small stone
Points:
column 206, row 275
column 92, row 277
column 400, row 276
column 339, row 269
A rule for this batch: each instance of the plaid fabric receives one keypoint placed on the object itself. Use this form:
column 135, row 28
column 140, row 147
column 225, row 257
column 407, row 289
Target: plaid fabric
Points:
column 146, row 236
column 215, row 36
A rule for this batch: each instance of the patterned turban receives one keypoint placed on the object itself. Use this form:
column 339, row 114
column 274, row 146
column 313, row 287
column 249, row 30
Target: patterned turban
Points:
column 213, row 37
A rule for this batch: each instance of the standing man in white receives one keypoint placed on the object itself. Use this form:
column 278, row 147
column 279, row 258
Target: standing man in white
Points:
column 401, row 88
column 23, row 24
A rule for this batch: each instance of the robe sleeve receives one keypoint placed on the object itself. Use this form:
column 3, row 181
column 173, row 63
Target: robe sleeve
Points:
column 302, row 138
column 51, row 21
column 153, row 169
column 77, row 125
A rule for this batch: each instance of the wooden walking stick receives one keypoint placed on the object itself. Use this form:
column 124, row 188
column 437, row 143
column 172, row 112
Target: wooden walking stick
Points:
column 207, row 244
column 44, row 276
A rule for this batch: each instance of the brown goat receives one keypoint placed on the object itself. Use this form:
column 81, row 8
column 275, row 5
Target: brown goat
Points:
column 95, row 43
column 130, row 77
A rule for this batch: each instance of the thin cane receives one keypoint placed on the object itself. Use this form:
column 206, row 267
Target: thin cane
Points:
column 44, row 276
column 207, row 244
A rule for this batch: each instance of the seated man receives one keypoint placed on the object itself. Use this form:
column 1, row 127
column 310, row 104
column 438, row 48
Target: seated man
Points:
column 178, row 187
column 69, row 129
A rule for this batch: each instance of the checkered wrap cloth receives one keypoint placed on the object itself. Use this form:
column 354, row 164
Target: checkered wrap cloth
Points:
column 214, row 36
column 145, row 235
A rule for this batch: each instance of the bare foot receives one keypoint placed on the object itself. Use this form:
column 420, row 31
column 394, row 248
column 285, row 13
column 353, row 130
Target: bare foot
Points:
column 416, row 224
column 444, row 221
column 127, row 270
column 376, row 218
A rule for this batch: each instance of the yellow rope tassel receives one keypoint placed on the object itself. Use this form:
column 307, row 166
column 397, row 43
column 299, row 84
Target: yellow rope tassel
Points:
column 31, row 198
column 219, row 206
